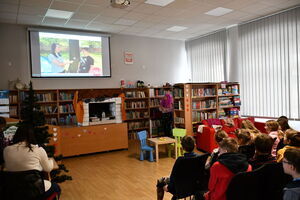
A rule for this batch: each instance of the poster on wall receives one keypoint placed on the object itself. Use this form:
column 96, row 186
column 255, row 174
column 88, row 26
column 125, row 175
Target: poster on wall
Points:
column 128, row 58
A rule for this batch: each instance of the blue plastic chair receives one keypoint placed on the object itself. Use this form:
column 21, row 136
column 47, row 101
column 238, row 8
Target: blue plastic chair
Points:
column 142, row 136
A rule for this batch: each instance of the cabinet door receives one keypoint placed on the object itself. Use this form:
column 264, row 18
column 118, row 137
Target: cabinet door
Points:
column 116, row 136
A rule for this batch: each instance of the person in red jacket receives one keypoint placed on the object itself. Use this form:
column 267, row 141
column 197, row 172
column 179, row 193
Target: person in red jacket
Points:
column 228, row 164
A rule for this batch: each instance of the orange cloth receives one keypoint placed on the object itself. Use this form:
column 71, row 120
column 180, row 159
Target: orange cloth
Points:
column 78, row 108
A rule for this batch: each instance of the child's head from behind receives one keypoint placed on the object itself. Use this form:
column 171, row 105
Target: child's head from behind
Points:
column 220, row 135
column 291, row 161
column 283, row 123
column 247, row 124
column 228, row 145
column 272, row 125
column 292, row 137
column 263, row 144
column 244, row 137
column 188, row 143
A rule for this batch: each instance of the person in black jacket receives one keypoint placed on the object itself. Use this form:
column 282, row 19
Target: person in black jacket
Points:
column 86, row 61
column 245, row 142
column 166, row 184
column 291, row 166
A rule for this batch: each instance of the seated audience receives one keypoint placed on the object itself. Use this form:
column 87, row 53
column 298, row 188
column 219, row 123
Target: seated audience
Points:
column 245, row 143
column 247, row 124
column 263, row 147
column 291, row 166
column 166, row 184
column 272, row 128
column 24, row 155
column 229, row 126
column 229, row 163
column 219, row 136
column 292, row 141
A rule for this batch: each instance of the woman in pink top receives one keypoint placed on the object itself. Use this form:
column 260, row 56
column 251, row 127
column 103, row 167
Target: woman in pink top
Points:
column 272, row 128
column 166, row 107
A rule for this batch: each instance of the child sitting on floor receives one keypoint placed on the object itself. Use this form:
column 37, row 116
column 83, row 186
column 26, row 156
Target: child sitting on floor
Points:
column 246, row 145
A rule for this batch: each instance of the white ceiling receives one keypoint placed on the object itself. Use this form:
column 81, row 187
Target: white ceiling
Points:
column 139, row 18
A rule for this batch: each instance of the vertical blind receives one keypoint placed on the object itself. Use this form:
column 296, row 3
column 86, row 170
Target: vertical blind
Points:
column 269, row 65
column 206, row 57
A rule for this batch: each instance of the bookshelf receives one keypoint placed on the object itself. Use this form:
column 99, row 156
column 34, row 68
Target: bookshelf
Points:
column 57, row 105
column 137, row 110
column 194, row 102
column 156, row 94
column 4, row 103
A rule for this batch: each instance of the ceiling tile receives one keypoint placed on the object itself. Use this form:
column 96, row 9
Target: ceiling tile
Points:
column 90, row 9
column 154, row 19
column 66, row 6
column 147, row 8
column 73, row 23
column 36, row 3
column 113, row 12
column 73, row 1
column 8, row 17
column 168, row 12
column 8, row 7
column 238, row 4
column 10, row 1
column 26, row 19
column 106, row 20
column 30, row 10
column 98, row 3
column 54, row 22
column 135, row 16
column 83, row 16
column 126, row 22
column 142, row 24
column 134, row 29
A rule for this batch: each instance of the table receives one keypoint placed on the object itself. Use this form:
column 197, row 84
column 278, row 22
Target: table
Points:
column 162, row 140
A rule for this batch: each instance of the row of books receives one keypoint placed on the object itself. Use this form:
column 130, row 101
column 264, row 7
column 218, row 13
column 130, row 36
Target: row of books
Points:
column 156, row 127
column 136, row 115
column 211, row 103
column 154, row 102
column 237, row 100
column 45, row 97
column 179, row 120
column 229, row 89
column 13, row 110
column 48, row 109
column 202, row 92
column 66, row 108
column 225, row 101
column 178, row 104
column 66, row 96
column 135, row 94
column 138, row 125
column 199, row 116
column 178, row 92
column 154, row 92
column 136, row 104
column 13, row 98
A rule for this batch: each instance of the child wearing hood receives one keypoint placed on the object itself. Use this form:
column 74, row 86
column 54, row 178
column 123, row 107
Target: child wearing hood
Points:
column 228, row 164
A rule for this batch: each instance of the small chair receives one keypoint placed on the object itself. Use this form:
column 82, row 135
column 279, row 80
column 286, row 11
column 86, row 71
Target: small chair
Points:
column 142, row 136
column 178, row 133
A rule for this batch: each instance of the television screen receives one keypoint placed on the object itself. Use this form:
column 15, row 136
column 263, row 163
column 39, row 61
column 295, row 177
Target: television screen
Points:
column 64, row 54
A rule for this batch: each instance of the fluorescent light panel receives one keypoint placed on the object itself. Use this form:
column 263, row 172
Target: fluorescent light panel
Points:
column 61, row 14
column 159, row 2
column 176, row 28
column 219, row 11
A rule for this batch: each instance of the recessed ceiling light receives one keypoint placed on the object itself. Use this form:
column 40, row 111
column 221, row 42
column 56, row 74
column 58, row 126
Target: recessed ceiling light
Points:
column 219, row 11
column 126, row 22
column 61, row 14
column 159, row 2
column 176, row 28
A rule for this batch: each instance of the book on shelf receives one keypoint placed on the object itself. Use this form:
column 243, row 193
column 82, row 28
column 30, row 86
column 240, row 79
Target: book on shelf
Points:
column 13, row 98
column 67, row 108
column 137, row 125
column 154, row 102
column 4, row 97
column 204, row 104
column 179, row 120
column 136, row 115
column 178, row 92
column 135, row 94
column 44, row 97
column 66, row 96
column 13, row 110
column 136, row 104
column 199, row 116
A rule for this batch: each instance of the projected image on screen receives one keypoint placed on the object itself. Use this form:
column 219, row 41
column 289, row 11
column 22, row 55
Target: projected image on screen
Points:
column 69, row 55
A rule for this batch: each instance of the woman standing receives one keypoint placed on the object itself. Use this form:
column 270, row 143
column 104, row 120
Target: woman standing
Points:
column 166, row 107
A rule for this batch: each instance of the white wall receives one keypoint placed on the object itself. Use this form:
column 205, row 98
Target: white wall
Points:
column 156, row 61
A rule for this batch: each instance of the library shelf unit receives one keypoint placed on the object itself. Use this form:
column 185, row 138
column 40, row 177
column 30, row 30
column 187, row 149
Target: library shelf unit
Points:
column 156, row 94
column 57, row 107
column 137, row 110
column 194, row 102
